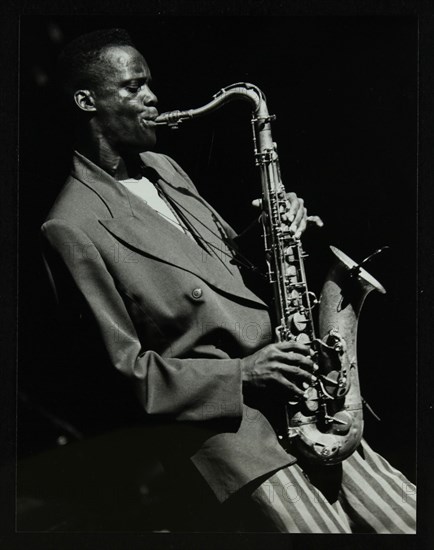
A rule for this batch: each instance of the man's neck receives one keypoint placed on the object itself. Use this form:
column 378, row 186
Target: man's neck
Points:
column 119, row 166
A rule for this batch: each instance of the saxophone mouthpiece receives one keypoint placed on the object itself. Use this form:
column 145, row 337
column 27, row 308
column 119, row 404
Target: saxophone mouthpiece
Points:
column 171, row 119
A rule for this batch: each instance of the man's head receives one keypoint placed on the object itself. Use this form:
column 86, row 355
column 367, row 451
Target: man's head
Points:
column 107, row 80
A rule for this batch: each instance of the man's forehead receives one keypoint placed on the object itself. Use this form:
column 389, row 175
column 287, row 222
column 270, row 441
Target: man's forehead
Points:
column 125, row 61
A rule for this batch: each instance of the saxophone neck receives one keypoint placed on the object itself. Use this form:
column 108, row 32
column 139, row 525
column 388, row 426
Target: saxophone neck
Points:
column 239, row 91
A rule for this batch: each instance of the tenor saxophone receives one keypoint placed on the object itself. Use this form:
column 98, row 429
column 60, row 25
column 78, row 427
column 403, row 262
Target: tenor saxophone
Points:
column 326, row 425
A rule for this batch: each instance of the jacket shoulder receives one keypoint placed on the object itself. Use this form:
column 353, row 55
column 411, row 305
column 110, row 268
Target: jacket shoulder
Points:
column 76, row 203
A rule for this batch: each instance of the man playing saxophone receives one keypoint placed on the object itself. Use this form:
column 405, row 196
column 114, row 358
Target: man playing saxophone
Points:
column 125, row 240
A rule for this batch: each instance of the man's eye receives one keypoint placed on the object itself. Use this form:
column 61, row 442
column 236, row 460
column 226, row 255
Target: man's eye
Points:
column 133, row 89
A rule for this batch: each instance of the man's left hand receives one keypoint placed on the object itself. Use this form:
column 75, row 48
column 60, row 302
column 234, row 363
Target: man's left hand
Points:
column 296, row 215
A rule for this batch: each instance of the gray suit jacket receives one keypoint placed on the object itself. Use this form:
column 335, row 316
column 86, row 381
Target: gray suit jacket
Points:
column 174, row 317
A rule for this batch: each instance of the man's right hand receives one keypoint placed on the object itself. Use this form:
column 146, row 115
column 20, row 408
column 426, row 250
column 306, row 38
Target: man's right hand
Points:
column 284, row 365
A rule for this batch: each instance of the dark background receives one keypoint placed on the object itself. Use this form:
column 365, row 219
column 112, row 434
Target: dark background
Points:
column 344, row 90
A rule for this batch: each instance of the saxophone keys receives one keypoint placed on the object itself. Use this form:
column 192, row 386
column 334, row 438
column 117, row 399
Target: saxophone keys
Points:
column 313, row 298
column 289, row 253
column 290, row 270
column 303, row 338
column 299, row 322
column 294, row 296
column 311, row 402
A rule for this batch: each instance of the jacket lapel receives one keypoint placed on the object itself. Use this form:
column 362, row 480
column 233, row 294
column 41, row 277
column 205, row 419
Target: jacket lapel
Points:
column 136, row 224
column 200, row 219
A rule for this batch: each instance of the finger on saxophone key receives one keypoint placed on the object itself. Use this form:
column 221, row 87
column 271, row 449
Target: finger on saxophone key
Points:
column 315, row 220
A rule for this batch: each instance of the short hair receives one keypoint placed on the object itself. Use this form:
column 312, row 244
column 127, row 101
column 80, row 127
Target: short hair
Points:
column 81, row 61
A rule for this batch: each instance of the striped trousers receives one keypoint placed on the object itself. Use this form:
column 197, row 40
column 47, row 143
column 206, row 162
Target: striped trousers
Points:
column 364, row 494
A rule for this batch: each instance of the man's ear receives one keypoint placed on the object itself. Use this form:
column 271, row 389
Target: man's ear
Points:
column 85, row 100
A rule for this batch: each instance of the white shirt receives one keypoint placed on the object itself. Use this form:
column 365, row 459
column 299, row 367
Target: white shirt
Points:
column 146, row 190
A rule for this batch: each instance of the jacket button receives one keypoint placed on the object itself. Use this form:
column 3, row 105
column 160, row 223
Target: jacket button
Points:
column 197, row 293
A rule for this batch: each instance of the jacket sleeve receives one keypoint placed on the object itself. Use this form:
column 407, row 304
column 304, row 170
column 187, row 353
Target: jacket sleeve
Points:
column 186, row 389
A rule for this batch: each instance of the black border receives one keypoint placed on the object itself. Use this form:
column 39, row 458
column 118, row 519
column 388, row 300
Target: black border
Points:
column 11, row 12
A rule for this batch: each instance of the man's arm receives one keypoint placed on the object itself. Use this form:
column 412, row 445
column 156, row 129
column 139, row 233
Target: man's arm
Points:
column 185, row 389
column 198, row 389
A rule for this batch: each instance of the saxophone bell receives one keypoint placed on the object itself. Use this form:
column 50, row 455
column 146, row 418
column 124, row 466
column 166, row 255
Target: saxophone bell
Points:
column 332, row 431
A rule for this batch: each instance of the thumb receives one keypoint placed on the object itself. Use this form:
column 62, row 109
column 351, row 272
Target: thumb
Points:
column 257, row 203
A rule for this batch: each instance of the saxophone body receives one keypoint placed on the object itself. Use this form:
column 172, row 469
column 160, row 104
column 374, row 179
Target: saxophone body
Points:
column 326, row 425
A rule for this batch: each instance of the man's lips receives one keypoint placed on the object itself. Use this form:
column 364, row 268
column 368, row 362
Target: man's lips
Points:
column 149, row 121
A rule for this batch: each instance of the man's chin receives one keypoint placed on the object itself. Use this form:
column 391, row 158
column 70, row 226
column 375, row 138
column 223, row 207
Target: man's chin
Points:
column 144, row 146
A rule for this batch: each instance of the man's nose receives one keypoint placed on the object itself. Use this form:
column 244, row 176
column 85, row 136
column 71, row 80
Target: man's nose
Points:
column 149, row 98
